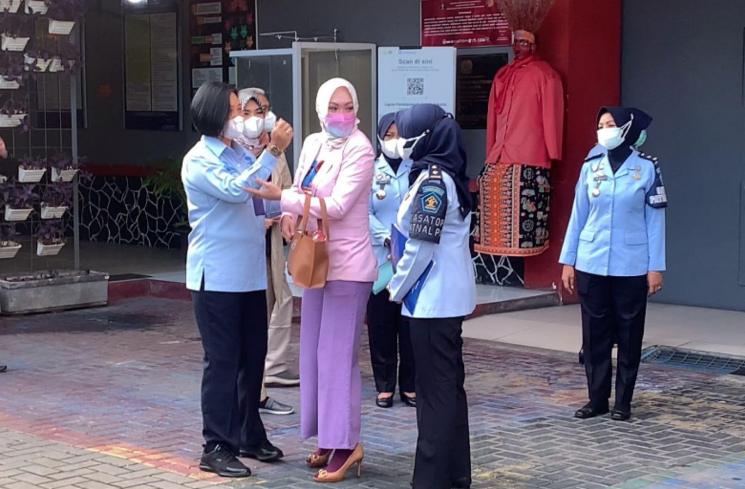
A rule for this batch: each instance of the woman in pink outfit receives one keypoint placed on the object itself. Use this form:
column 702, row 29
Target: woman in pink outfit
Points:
column 337, row 164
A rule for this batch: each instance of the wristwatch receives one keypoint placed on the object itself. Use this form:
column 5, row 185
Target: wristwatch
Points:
column 274, row 150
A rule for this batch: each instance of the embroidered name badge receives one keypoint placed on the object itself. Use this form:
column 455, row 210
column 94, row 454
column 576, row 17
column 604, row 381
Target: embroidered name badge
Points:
column 657, row 196
column 428, row 214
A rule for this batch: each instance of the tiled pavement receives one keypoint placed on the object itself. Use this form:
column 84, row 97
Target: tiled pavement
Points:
column 108, row 398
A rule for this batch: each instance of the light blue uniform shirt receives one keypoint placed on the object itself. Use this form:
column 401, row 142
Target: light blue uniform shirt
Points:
column 383, row 211
column 613, row 231
column 450, row 288
column 226, row 242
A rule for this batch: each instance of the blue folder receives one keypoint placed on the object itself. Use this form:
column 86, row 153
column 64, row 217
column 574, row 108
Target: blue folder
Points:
column 398, row 245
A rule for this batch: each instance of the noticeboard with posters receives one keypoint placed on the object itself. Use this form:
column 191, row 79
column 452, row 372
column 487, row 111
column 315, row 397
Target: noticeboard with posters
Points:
column 415, row 76
column 464, row 24
column 217, row 28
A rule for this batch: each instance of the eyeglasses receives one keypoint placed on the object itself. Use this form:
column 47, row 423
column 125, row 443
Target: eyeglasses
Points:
column 522, row 43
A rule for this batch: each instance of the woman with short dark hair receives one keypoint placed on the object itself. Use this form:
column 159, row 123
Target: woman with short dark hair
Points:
column 226, row 272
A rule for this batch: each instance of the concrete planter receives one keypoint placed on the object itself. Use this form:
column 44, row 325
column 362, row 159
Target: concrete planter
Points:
column 52, row 290
column 61, row 27
column 13, row 43
column 15, row 215
column 36, row 7
column 10, row 120
column 63, row 175
column 10, row 6
column 9, row 83
column 48, row 249
column 32, row 175
column 10, row 250
column 49, row 212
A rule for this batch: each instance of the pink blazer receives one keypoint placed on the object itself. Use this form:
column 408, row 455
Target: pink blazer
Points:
column 344, row 181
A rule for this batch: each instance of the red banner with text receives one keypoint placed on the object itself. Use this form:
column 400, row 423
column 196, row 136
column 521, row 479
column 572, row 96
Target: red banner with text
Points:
column 464, row 23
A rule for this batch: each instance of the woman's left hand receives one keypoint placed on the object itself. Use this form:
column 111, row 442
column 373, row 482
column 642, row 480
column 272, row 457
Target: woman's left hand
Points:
column 268, row 190
column 654, row 282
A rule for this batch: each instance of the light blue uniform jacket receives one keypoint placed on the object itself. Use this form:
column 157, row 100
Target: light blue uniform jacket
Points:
column 450, row 288
column 226, row 242
column 613, row 231
column 383, row 212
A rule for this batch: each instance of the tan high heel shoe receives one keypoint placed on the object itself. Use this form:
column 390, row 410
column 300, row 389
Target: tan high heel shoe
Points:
column 355, row 458
column 316, row 461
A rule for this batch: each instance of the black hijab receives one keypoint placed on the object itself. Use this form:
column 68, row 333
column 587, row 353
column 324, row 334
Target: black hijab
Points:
column 385, row 123
column 622, row 115
column 442, row 146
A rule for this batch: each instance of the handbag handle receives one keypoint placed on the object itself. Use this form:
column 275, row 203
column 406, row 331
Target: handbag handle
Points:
column 303, row 220
column 323, row 221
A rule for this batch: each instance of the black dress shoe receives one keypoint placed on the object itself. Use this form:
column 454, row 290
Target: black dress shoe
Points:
column 222, row 462
column 3, row 368
column 385, row 402
column 266, row 452
column 620, row 415
column 588, row 411
column 408, row 400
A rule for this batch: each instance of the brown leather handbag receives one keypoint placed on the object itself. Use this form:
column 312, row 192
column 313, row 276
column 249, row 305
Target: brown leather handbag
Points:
column 308, row 261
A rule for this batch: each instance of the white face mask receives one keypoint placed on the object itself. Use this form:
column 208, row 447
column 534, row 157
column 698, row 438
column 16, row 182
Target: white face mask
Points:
column 405, row 147
column 270, row 121
column 253, row 127
column 234, row 128
column 388, row 148
column 613, row 137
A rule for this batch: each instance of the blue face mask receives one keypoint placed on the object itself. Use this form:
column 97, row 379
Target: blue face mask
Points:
column 641, row 140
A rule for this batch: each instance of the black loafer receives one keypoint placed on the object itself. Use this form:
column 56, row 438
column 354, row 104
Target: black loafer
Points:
column 266, row 452
column 588, row 411
column 409, row 401
column 222, row 462
column 384, row 403
column 3, row 368
column 619, row 415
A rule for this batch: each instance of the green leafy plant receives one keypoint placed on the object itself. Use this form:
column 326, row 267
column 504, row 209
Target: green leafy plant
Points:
column 165, row 183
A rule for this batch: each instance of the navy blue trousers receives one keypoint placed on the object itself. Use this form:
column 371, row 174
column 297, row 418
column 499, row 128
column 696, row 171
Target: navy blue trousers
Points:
column 233, row 326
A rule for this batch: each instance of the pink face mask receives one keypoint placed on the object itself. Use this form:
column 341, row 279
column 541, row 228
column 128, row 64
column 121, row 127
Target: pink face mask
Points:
column 340, row 125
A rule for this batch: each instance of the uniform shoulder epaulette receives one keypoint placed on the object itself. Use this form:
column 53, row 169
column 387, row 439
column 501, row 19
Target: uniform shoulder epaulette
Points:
column 651, row 158
column 594, row 157
column 435, row 172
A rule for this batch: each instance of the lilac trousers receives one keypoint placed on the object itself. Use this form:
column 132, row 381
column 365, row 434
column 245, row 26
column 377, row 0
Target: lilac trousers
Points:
column 331, row 383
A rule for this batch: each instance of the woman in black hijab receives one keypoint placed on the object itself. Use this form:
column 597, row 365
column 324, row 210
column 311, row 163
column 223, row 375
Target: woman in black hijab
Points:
column 387, row 329
column 614, row 254
column 435, row 282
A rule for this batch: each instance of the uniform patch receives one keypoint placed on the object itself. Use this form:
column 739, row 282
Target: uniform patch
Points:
column 657, row 196
column 429, row 209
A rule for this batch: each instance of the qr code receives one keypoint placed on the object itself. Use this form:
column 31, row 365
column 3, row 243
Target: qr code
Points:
column 415, row 86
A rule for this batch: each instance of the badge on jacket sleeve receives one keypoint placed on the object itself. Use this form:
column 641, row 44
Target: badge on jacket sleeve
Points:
column 656, row 196
column 429, row 208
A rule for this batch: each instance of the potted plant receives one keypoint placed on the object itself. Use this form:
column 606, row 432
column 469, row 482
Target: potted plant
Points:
column 67, row 57
column 38, row 60
column 165, row 183
column 63, row 14
column 63, row 168
column 8, row 247
column 12, row 113
column 11, row 70
column 31, row 170
column 15, row 32
column 56, row 199
column 9, row 6
column 50, row 238
column 38, row 7
column 19, row 201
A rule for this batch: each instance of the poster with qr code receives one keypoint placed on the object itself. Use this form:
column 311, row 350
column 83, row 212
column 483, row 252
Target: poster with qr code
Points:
column 416, row 76
column 415, row 86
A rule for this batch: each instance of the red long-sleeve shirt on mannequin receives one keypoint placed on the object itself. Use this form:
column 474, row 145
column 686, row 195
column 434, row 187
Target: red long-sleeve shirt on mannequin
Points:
column 525, row 123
